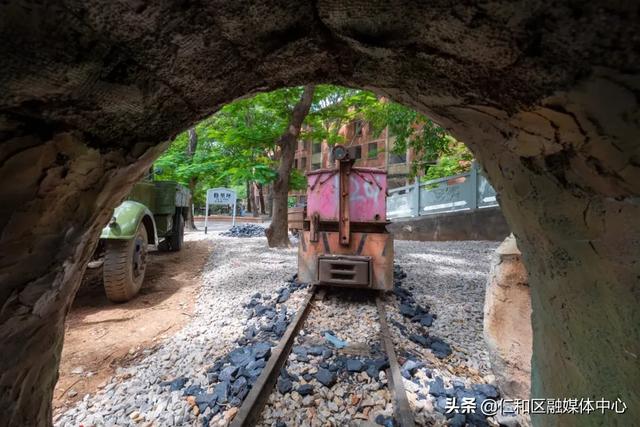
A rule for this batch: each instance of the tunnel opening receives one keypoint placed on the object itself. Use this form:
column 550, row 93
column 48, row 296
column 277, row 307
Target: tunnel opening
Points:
column 568, row 103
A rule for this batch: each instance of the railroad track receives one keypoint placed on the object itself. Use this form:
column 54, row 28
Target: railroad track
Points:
column 253, row 405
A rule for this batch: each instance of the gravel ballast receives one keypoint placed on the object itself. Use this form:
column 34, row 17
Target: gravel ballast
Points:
column 335, row 372
column 436, row 317
column 138, row 394
column 444, row 279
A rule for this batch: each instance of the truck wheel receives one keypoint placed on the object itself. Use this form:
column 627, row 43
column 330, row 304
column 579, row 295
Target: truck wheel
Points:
column 177, row 234
column 125, row 262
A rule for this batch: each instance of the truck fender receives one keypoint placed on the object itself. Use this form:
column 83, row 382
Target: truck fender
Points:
column 125, row 220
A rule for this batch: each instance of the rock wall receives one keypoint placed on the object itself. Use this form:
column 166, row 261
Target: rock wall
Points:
column 545, row 96
column 507, row 321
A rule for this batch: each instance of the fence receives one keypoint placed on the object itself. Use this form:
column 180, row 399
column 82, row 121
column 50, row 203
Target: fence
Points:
column 466, row 191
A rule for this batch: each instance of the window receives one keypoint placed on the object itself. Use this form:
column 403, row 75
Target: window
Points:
column 315, row 166
column 357, row 128
column 295, row 163
column 397, row 158
column 303, row 163
column 372, row 150
column 357, row 154
column 317, row 147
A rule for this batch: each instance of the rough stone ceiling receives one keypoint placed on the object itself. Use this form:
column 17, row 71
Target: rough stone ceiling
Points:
column 103, row 66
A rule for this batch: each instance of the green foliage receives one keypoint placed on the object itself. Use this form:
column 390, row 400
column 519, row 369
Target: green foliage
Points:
column 238, row 144
column 457, row 160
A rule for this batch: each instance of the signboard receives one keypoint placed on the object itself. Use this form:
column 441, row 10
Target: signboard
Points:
column 220, row 196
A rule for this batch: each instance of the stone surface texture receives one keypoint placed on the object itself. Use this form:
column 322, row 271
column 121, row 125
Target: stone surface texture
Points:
column 546, row 96
column 507, row 321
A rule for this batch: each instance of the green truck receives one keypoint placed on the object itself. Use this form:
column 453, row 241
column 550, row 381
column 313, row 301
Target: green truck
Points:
column 152, row 217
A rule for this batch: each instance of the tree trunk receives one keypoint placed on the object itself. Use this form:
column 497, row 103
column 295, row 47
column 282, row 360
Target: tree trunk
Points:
column 270, row 201
column 278, row 233
column 193, row 181
column 254, row 211
column 261, row 198
column 249, row 196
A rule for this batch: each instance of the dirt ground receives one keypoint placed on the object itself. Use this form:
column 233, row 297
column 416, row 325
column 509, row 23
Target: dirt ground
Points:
column 102, row 336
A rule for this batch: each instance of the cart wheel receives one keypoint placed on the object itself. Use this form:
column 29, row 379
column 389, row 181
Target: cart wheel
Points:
column 125, row 262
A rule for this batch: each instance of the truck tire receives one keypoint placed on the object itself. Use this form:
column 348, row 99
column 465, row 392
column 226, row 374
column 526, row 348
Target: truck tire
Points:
column 177, row 233
column 125, row 262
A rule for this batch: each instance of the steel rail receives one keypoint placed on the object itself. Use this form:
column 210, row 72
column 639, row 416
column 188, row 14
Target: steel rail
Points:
column 402, row 410
column 251, row 409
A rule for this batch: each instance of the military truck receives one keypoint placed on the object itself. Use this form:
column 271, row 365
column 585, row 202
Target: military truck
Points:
column 152, row 217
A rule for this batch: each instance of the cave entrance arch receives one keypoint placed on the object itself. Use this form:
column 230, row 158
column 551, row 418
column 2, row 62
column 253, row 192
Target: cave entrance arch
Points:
column 547, row 99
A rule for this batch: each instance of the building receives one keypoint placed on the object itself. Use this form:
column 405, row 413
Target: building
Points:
column 370, row 151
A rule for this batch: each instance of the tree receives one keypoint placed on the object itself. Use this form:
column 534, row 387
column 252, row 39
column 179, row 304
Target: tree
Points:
column 277, row 233
column 193, row 180
column 455, row 161
column 251, row 142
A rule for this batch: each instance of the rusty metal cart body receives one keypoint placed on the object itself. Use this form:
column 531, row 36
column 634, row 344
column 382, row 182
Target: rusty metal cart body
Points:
column 344, row 241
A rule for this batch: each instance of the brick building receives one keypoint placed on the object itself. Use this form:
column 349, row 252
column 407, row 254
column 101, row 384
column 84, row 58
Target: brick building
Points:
column 371, row 151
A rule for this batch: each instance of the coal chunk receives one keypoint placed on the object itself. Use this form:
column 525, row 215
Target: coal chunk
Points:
column 426, row 320
column 221, row 390
column 355, row 365
column 206, row 400
column 262, row 350
column 192, row 390
column 241, row 357
column 228, row 373
column 441, row 404
column 419, row 339
column 244, row 230
column 486, row 390
column 305, row 389
column 317, row 350
column 407, row 310
column 477, row 419
column 382, row 363
column 299, row 350
column 326, row 377
column 440, row 348
column 260, row 363
column 436, row 387
column 284, row 295
column 250, row 332
column 284, row 385
column 458, row 420
column 239, row 386
column 279, row 327
column 372, row 371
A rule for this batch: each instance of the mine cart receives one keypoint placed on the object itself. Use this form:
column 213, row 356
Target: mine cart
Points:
column 344, row 241
column 152, row 216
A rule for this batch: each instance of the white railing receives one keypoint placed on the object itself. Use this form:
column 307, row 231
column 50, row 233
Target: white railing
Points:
column 466, row 191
